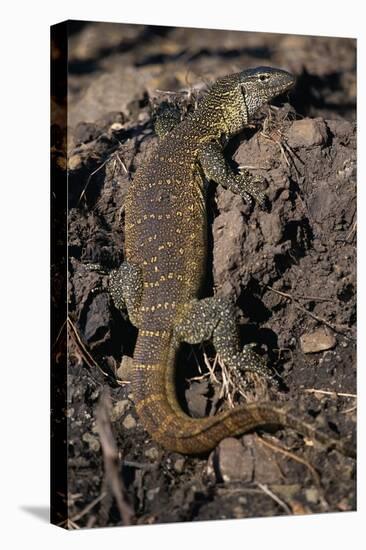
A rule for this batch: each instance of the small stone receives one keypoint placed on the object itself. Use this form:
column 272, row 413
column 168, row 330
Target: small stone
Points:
column 308, row 132
column 196, row 396
column 124, row 371
column 129, row 422
column 152, row 453
column 210, row 467
column 70, row 412
column 92, row 441
column 266, row 469
column 119, row 409
column 235, row 463
column 340, row 128
column 179, row 465
column 312, row 495
column 75, row 162
column 318, row 340
column 116, row 127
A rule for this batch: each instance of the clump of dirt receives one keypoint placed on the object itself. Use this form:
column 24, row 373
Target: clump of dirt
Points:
column 290, row 267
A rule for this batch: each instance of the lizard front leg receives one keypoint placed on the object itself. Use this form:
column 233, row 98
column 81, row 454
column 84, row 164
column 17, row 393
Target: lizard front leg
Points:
column 215, row 168
column 125, row 287
column 214, row 318
column 166, row 117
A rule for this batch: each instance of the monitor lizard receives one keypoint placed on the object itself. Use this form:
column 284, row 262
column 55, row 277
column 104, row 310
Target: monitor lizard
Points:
column 161, row 278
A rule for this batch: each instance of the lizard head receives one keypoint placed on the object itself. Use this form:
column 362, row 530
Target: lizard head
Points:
column 262, row 84
column 237, row 96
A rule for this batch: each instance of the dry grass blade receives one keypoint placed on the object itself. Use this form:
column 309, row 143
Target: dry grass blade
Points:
column 111, row 460
column 289, row 454
column 274, row 497
column 304, row 310
column 89, row 178
column 331, row 393
column 86, row 355
column 87, row 508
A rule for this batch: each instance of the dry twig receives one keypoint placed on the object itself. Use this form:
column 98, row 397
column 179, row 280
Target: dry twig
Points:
column 312, row 315
column 111, row 460
column 289, row 454
column 274, row 497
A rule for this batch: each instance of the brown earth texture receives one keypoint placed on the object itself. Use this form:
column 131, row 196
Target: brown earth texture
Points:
column 291, row 269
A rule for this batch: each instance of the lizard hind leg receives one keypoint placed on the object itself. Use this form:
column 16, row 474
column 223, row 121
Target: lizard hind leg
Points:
column 214, row 318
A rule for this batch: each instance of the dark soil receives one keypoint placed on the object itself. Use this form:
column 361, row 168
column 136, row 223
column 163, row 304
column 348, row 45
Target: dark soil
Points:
column 291, row 268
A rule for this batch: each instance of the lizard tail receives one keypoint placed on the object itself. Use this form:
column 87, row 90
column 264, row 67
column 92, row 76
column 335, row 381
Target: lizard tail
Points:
column 161, row 415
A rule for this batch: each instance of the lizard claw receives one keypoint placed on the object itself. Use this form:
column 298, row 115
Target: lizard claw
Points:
column 252, row 361
column 249, row 187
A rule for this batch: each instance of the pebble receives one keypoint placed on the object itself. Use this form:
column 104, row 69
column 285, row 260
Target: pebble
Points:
column 129, row 422
column 152, row 453
column 179, row 465
column 308, row 132
column 92, row 441
column 124, row 371
column 312, row 495
column 234, row 462
column 116, row 127
column 119, row 409
column 318, row 340
column 75, row 162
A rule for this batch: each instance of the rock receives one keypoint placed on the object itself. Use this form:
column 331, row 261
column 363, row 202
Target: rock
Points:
column 124, row 371
column 307, row 133
column 119, row 409
column 98, row 319
column 318, row 340
column 152, row 453
column 92, row 441
column 265, row 464
column 341, row 128
column 107, row 92
column 179, row 464
column 312, row 495
column 233, row 461
column 196, row 398
column 75, row 162
column 116, row 127
column 129, row 422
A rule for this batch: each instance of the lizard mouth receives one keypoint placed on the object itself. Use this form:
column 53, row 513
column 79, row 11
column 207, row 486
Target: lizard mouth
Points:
column 277, row 91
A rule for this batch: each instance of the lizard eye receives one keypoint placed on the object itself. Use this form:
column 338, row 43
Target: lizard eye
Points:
column 264, row 77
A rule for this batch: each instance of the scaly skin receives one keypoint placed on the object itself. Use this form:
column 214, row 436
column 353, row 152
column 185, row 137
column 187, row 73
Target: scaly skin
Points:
column 165, row 228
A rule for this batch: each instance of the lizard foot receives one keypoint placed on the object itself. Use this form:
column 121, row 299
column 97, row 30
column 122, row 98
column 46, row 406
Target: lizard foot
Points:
column 250, row 187
column 250, row 361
